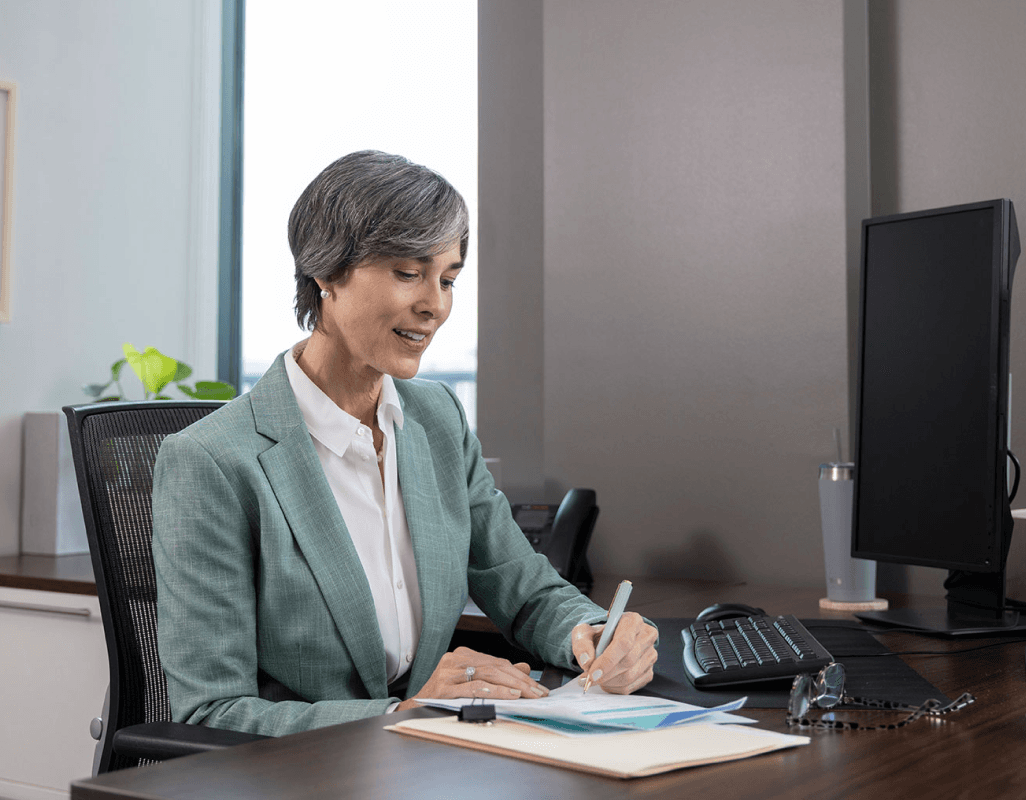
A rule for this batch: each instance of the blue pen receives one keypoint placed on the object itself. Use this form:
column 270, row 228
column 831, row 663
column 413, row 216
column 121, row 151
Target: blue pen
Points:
column 616, row 609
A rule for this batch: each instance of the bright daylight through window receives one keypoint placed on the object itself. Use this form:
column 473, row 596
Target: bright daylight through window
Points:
column 324, row 78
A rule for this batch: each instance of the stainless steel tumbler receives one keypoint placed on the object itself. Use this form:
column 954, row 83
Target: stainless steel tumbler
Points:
column 849, row 580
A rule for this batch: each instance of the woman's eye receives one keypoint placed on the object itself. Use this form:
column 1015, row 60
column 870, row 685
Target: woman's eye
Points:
column 407, row 276
column 448, row 283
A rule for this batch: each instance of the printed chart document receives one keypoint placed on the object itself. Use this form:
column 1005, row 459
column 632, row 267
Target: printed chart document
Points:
column 571, row 712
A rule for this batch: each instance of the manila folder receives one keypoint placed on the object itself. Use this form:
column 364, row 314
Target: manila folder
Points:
column 622, row 755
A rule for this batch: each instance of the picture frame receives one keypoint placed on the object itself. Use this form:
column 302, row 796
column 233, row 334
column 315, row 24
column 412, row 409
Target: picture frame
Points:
column 8, row 94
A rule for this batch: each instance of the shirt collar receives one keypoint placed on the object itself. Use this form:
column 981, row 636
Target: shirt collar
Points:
column 389, row 407
column 329, row 424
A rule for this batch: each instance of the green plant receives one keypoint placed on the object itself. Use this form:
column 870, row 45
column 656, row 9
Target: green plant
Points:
column 156, row 370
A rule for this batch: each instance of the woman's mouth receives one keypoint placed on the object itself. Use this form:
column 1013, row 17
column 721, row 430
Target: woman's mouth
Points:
column 412, row 337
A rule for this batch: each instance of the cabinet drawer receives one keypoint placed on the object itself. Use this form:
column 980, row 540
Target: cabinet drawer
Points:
column 53, row 670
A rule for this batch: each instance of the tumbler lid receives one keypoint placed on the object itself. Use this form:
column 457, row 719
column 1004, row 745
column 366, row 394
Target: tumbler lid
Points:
column 836, row 471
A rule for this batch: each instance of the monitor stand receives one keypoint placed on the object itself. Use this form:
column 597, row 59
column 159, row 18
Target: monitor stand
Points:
column 977, row 606
column 946, row 622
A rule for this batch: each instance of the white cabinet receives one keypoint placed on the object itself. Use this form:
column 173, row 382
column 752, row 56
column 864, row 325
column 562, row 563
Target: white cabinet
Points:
column 53, row 677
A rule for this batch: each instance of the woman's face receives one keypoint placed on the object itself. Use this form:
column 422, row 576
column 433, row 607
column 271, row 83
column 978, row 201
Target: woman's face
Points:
column 383, row 316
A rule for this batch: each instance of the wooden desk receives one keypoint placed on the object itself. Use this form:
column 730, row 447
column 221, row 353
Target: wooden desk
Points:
column 72, row 574
column 978, row 752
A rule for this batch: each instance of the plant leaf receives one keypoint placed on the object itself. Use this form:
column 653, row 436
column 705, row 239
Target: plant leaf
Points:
column 152, row 367
column 109, row 399
column 115, row 369
column 210, row 390
column 183, row 372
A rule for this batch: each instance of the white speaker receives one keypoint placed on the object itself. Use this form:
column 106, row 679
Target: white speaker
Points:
column 51, row 512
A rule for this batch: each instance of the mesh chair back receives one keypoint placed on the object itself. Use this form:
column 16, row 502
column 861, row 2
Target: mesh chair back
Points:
column 114, row 447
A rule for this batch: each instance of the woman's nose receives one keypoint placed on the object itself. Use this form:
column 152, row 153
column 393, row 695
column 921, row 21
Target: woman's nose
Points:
column 432, row 301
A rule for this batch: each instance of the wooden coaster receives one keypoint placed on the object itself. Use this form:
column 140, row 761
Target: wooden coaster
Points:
column 877, row 604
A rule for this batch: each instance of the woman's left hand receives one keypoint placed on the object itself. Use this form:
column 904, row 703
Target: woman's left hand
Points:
column 627, row 662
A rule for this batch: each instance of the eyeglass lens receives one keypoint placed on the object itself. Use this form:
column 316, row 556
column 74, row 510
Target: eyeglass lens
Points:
column 829, row 687
column 825, row 690
column 801, row 693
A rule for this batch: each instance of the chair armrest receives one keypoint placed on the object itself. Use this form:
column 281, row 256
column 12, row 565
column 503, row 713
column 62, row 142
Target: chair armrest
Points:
column 160, row 741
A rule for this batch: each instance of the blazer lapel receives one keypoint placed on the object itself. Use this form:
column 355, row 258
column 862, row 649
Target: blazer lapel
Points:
column 297, row 479
column 439, row 593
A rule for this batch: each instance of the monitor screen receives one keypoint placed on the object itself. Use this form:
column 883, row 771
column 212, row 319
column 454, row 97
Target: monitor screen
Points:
column 931, row 440
column 928, row 430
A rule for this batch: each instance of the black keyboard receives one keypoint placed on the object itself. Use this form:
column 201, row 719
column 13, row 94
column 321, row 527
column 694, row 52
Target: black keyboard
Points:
column 750, row 649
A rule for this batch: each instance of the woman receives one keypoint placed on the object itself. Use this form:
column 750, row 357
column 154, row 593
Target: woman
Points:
column 316, row 540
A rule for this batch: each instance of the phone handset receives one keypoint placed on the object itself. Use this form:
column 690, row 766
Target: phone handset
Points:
column 562, row 534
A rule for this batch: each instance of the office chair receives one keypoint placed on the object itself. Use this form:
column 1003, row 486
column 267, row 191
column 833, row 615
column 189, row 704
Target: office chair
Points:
column 114, row 446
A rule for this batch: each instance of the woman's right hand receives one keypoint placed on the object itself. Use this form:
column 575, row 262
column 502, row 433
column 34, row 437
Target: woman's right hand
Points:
column 491, row 679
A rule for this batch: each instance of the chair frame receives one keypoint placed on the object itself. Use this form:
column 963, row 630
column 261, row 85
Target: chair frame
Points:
column 125, row 743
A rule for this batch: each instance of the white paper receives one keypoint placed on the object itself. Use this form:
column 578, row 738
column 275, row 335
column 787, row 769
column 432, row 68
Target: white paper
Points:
column 571, row 712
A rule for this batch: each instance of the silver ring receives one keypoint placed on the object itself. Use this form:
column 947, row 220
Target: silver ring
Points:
column 469, row 672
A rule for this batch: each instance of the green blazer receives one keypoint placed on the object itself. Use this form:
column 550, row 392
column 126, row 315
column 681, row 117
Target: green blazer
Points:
column 265, row 616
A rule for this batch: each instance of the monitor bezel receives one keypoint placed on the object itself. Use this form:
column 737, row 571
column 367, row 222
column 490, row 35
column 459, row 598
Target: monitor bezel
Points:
column 998, row 524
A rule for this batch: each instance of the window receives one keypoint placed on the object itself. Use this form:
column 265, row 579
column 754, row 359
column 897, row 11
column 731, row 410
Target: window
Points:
column 323, row 79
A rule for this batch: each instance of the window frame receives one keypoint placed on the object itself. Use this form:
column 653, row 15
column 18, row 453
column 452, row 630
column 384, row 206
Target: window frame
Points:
column 229, row 326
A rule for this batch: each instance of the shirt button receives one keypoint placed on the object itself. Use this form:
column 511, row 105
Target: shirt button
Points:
column 409, row 657
column 365, row 458
column 399, row 585
column 361, row 431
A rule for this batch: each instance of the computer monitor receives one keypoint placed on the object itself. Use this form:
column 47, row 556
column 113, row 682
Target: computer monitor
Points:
column 931, row 429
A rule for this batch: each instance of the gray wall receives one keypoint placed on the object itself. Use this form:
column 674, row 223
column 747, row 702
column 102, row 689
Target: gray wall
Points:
column 694, row 305
column 115, row 200
column 695, row 277
column 510, row 248
column 706, row 166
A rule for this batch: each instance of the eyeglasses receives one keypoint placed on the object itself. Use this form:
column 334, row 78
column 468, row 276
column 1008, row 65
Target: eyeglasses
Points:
column 826, row 690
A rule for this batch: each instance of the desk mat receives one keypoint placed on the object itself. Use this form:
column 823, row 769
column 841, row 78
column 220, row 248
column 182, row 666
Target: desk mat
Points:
column 883, row 677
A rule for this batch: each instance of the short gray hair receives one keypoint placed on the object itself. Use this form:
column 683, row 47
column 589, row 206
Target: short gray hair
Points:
column 369, row 204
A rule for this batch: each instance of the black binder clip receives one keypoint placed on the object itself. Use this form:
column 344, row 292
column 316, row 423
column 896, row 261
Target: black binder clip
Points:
column 477, row 713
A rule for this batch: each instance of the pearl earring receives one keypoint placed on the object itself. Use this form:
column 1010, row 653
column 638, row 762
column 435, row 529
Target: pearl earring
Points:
column 324, row 294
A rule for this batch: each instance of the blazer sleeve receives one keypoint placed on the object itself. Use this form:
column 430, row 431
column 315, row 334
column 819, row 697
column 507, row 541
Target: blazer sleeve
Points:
column 515, row 586
column 204, row 524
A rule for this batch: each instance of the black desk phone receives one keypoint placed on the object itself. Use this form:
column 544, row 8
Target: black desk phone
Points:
column 562, row 533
